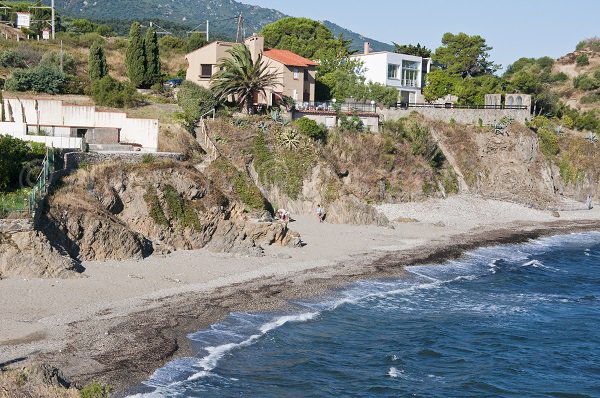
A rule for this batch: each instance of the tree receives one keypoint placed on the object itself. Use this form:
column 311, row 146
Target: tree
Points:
column 152, row 58
column 97, row 62
column 242, row 77
column 110, row 92
column 195, row 101
column 465, row 56
column 135, row 57
column 196, row 40
column 40, row 79
column 410, row 49
column 13, row 152
column 308, row 38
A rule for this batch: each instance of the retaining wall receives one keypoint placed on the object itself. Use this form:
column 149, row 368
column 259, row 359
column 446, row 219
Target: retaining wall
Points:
column 462, row 116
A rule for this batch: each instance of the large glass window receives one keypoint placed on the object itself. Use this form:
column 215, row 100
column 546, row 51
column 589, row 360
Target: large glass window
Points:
column 393, row 71
column 410, row 73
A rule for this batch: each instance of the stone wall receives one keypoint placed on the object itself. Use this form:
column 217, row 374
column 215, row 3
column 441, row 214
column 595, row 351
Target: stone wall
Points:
column 462, row 116
column 10, row 226
column 330, row 119
column 73, row 159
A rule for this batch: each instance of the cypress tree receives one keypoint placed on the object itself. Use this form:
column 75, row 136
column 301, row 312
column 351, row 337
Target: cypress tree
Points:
column 135, row 57
column 97, row 62
column 152, row 58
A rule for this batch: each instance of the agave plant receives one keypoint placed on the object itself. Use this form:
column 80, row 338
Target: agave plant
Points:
column 591, row 137
column 289, row 139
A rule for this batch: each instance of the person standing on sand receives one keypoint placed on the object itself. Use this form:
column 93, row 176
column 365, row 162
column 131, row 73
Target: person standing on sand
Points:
column 320, row 213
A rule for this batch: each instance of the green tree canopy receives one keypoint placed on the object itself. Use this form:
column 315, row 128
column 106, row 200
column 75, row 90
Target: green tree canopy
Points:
column 195, row 41
column 306, row 37
column 195, row 101
column 465, row 56
column 135, row 57
column 242, row 77
column 97, row 67
column 409, row 49
column 152, row 58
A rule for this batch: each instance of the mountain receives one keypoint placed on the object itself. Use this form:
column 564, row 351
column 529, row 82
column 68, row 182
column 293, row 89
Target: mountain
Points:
column 194, row 13
column 358, row 40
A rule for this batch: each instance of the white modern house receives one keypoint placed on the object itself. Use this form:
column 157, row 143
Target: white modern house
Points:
column 404, row 72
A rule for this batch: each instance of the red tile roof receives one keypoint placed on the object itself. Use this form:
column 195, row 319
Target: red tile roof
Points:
column 288, row 58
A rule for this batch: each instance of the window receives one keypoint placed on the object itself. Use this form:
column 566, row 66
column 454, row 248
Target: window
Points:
column 296, row 73
column 410, row 73
column 393, row 71
column 306, row 75
column 205, row 70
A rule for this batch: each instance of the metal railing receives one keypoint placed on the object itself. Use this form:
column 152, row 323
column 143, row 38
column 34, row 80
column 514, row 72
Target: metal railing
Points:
column 449, row 105
column 204, row 140
column 40, row 189
column 331, row 106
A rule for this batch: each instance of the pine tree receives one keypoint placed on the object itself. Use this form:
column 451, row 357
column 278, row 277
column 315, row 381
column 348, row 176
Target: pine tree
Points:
column 135, row 57
column 152, row 58
column 97, row 62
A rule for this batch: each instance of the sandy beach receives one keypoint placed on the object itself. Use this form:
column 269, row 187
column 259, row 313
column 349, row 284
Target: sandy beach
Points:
column 119, row 321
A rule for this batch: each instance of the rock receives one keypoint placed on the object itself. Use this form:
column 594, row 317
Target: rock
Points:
column 555, row 214
column 48, row 374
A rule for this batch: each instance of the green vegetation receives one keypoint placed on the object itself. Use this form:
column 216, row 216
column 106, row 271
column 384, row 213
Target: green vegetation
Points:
column 12, row 59
column 14, row 201
column 97, row 67
column 582, row 60
column 156, row 212
column 242, row 77
column 568, row 172
column 195, row 101
column 135, row 57
column 422, row 144
column 591, row 44
column 96, row 390
column 110, row 92
column 283, row 167
column 14, row 155
column 180, row 210
column 587, row 82
column 40, row 79
column 152, row 70
column 409, row 49
column 311, row 129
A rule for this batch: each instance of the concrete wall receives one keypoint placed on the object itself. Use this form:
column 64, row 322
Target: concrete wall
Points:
column 462, row 116
column 58, row 118
column 330, row 120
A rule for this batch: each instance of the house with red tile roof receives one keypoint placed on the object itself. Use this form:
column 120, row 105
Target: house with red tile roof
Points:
column 296, row 74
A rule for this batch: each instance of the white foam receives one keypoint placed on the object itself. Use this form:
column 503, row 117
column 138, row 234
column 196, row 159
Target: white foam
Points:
column 394, row 372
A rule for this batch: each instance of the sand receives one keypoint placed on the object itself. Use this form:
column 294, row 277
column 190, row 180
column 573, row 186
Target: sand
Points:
column 121, row 320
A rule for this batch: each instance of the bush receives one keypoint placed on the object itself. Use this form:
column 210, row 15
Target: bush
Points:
column 172, row 43
column 559, row 77
column 110, row 92
column 312, row 129
column 195, row 102
column 422, row 144
column 548, row 142
column 41, row 79
column 52, row 58
column 11, row 59
column 96, row 390
column 586, row 82
column 13, row 155
column 582, row 60
column 180, row 210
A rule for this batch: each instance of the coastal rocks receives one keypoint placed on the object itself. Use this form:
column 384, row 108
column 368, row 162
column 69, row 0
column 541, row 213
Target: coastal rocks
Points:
column 39, row 380
column 94, row 235
column 30, row 255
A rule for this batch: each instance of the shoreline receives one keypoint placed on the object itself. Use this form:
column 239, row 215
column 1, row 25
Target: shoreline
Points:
column 123, row 341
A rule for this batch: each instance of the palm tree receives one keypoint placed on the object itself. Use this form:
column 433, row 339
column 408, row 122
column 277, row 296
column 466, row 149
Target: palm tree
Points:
column 242, row 77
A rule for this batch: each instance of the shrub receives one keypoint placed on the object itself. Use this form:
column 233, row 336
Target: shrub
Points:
column 41, row 79
column 586, row 82
column 312, row 129
column 422, row 144
column 110, row 92
column 582, row 60
column 156, row 212
column 548, row 142
column 590, row 99
column 13, row 155
column 96, row 390
column 180, row 210
column 52, row 58
column 195, row 101
column 196, row 41
column 559, row 77
column 172, row 43
column 11, row 59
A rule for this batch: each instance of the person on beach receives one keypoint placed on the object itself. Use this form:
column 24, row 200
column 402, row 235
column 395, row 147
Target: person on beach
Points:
column 320, row 213
column 589, row 203
column 283, row 215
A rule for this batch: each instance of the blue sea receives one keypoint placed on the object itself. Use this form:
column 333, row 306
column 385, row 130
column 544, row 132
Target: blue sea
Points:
column 519, row 320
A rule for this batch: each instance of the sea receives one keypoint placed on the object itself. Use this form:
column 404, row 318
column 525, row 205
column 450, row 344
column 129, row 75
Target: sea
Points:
column 516, row 320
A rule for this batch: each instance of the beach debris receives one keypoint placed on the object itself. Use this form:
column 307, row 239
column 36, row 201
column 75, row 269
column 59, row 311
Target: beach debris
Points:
column 135, row 276
column 174, row 280
column 555, row 214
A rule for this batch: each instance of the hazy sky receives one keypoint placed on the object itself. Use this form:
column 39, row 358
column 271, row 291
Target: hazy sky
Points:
column 515, row 28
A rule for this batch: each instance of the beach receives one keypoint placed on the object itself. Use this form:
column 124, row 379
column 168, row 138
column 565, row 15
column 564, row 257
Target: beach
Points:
column 120, row 321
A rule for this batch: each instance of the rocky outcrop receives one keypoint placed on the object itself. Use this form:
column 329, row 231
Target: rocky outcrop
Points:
column 30, row 255
column 113, row 212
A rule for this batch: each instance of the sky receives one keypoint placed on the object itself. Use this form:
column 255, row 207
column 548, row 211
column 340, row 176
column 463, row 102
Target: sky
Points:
column 514, row 28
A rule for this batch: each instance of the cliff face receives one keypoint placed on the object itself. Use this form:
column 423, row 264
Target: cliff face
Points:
column 117, row 212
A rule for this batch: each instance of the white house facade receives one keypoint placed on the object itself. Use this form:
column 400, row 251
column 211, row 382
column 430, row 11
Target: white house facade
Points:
column 401, row 71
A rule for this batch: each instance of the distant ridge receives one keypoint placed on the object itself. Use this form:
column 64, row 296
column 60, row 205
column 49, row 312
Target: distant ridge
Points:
column 193, row 13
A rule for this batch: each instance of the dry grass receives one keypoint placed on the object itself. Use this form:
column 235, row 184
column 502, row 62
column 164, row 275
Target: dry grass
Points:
column 18, row 383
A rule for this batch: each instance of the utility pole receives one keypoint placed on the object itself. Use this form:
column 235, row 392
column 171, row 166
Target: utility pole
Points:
column 240, row 29
column 207, row 30
column 53, row 21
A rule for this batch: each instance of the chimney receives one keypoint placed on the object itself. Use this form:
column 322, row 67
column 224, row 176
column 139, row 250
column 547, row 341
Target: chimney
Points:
column 367, row 47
